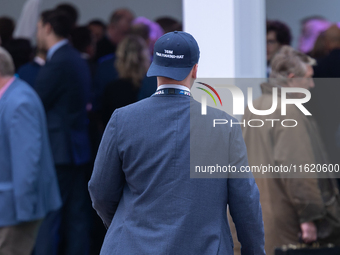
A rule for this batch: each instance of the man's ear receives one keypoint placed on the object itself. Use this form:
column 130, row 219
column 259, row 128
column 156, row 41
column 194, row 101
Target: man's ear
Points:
column 194, row 71
column 291, row 75
column 48, row 28
column 290, row 82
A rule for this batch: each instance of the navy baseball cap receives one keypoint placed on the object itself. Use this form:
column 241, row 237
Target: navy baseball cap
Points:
column 174, row 56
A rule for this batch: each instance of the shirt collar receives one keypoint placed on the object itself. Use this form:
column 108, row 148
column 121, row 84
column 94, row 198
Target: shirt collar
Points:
column 39, row 61
column 54, row 48
column 174, row 86
column 85, row 56
column 4, row 88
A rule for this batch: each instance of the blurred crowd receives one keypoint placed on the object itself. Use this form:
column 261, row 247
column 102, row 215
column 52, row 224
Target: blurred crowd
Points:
column 83, row 73
column 300, row 210
column 320, row 40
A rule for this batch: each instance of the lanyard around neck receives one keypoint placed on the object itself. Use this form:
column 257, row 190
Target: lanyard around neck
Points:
column 172, row 91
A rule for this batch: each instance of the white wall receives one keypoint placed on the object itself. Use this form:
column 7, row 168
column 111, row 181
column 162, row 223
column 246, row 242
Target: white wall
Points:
column 293, row 11
column 102, row 9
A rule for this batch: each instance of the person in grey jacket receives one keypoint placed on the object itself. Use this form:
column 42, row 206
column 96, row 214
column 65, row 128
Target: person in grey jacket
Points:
column 141, row 185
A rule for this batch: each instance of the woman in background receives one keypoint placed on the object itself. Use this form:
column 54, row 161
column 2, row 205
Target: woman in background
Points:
column 320, row 49
column 132, row 63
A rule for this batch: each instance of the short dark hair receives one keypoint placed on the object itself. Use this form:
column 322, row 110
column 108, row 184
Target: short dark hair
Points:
column 60, row 22
column 118, row 15
column 283, row 34
column 81, row 38
column 141, row 30
column 21, row 51
column 70, row 10
column 6, row 29
column 169, row 24
column 97, row 22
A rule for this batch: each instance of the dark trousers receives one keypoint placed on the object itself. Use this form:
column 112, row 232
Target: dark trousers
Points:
column 67, row 231
column 18, row 239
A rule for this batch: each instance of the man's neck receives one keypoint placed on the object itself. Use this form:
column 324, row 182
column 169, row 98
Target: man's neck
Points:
column 4, row 81
column 165, row 81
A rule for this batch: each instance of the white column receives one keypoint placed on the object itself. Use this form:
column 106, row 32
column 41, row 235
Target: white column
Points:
column 212, row 24
column 231, row 36
column 250, row 38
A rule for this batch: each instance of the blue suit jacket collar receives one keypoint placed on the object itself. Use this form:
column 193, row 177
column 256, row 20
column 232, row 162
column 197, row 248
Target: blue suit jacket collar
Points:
column 54, row 48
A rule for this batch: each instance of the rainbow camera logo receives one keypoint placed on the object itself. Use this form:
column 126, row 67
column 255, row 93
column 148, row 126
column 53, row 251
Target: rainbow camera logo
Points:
column 213, row 90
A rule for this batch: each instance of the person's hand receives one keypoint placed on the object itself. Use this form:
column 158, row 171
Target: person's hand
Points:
column 309, row 232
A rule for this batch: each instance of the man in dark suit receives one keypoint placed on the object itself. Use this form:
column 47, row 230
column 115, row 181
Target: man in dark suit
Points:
column 28, row 183
column 141, row 185
column 63, row 85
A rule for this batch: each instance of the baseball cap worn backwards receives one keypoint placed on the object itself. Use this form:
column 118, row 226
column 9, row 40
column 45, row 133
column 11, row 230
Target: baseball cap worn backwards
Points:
column 174, row 56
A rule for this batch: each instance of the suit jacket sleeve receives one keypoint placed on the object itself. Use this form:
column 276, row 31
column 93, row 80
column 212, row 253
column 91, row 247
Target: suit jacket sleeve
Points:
column 108, row 178
column 244, row 200
column 25, row 137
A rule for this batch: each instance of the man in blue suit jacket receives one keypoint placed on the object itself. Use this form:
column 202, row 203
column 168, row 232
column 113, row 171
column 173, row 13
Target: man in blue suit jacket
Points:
column 63, row 85
column 29, row 72
column 141, row 185
column 28, row 183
